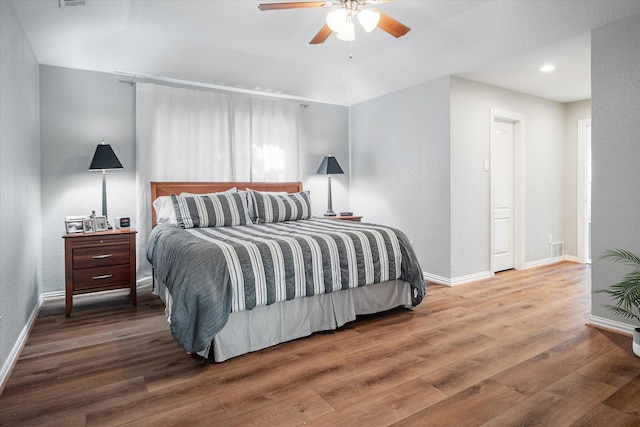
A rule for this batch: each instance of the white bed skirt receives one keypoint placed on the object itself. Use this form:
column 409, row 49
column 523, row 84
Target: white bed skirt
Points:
column 265, row 326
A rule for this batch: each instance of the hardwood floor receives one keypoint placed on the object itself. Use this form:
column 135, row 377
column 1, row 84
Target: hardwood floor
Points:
column 511, row 350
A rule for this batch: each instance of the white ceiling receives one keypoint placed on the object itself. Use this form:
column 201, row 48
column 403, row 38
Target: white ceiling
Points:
column 234, row 44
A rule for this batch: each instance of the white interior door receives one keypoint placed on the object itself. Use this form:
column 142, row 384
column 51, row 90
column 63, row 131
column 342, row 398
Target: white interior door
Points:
column 502, row 194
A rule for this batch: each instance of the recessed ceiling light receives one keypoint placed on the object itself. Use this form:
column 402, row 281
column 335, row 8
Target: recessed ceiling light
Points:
column 547, row 68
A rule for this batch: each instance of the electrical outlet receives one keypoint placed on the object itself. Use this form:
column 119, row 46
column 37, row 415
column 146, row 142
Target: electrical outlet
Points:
column 550, row 238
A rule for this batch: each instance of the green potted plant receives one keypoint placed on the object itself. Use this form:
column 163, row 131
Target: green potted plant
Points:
column 626, row 294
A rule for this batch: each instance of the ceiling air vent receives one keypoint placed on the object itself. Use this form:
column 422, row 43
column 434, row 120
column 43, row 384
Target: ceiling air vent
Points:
column 65, row 3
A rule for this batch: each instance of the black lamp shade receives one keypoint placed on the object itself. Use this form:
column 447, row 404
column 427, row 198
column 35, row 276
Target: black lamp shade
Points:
column 105, row 158
column 329, row 166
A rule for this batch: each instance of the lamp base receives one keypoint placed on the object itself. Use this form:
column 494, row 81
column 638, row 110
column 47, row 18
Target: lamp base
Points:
column 330, row 212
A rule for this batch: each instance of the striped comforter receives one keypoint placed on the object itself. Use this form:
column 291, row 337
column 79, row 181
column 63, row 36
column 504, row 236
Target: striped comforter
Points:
column 211, row 272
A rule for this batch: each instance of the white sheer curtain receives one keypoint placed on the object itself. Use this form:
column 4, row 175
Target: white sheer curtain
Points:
column 200, row 135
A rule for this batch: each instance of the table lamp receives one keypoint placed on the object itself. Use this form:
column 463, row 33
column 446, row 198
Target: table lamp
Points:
column 104, row 158
column 329, row 166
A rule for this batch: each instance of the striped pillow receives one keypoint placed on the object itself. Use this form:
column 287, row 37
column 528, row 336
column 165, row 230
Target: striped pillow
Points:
column 211, row 210
column 251, row 204
column 281, row 207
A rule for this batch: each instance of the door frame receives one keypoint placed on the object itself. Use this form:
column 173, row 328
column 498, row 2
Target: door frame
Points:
column 583, row 158
column 518, row 121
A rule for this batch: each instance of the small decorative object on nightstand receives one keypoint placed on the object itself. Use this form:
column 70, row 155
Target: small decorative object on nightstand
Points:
column 99, row 261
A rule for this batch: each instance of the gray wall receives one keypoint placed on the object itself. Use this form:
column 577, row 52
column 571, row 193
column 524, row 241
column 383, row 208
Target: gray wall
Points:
column 400, row 167
column 20, row 245
column 615, row 86
column 325, row 131
column 77, row 110
column 471, row 104
column 80, row 108
column 417, row 162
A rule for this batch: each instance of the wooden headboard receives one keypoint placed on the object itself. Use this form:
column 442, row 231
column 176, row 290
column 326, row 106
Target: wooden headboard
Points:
column 168, row 188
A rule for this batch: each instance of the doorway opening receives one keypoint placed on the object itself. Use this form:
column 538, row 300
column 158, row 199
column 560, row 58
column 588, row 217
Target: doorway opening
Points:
column 584, row 192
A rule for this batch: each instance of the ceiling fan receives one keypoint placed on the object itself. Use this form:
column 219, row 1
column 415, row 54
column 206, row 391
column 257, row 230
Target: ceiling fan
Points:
column 341, row 19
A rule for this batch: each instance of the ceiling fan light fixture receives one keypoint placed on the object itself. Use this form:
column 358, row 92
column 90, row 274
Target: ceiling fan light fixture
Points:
column 340, row 19
column 369, row 19
column 348, row 33
column 337, row 19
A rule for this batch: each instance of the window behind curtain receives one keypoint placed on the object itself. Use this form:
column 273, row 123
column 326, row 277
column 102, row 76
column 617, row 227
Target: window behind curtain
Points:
column 200, row 135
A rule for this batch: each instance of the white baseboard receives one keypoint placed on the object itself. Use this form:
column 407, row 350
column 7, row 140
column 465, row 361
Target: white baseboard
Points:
column 486, row 274
column 457, row 280
column 8, row 365
column 610, row 325
column 58, row 295
column 542, row 262
column 52, row 296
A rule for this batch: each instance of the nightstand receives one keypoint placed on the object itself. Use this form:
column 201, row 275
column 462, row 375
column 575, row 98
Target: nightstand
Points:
column 345, row 218
column 99, row 261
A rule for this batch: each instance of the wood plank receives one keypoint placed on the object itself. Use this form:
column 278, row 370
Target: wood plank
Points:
column 626, row 398
column 616, row 366
column 472, row 406
column 465, row 373
column 385, row 408
column 562, row 403
column 547, row 367
column 603, row 415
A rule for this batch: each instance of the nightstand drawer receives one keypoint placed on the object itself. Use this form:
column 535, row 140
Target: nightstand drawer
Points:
column 99, row 240
column 89, row 278
column 100, row 256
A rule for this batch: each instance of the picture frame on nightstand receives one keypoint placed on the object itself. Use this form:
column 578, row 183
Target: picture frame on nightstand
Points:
column 74, row 224
column 100, row 223
column 88, row 225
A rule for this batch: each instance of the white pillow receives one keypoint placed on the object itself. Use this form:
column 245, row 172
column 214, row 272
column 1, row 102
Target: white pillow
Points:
column 231, row 190
column 165, row 214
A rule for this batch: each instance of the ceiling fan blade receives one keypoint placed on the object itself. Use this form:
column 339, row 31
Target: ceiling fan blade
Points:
column 322, row 35
column 391, row 26
column 291, row 5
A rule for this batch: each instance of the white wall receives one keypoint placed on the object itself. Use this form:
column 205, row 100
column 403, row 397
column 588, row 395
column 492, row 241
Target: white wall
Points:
column 400, row 167
column 20, row 246
column 574, row 112
column 615, row 86
column 471, row 104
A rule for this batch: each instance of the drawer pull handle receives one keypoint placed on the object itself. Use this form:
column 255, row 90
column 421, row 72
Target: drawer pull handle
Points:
column 104, row 276
column 102, row 256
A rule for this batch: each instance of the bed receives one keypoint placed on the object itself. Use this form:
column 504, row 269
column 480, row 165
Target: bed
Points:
column 244, row 266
